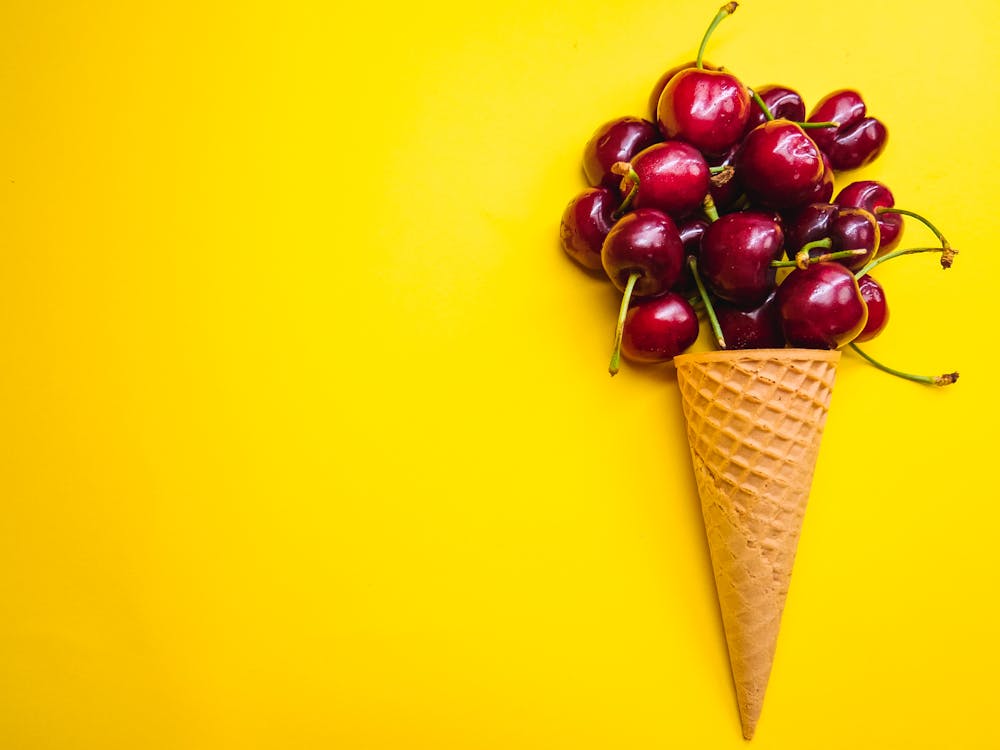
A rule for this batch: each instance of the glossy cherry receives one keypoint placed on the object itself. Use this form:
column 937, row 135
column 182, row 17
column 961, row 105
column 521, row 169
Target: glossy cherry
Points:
column 585, row 224
column 661, row 83
column 779, row 166
column 615, row 141
column 644, row 242
column 821, row 306
column 754, row 328
column 870, row 195
column 784, row 104
column 672, row 177
column 707, row 108
column 736, row 255
column 847, row 228
column 658, row 329
column 858, row 139
column 691, row 230
column 642, row 255
column 878, row 308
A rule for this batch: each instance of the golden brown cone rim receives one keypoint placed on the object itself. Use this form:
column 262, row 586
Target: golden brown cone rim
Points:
column 788, row 355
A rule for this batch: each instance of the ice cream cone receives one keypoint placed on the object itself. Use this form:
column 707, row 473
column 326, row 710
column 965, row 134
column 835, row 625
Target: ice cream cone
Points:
column 754, row 422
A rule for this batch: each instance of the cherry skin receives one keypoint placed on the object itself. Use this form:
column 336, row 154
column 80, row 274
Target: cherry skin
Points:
column 673, row 177
column 878, row 308
column 644, row 242
column 784, row 104
column 585, row 224
column 857, row 140
column 869, row 195
column 736, row 255
column 755, row 328
column 615, row 141
column 779, row 166
column 707, row 108
column 657, row 92
column 847, row 228
column 725, row 194
column 658, row 329
column 691, row 230
column 821, row 307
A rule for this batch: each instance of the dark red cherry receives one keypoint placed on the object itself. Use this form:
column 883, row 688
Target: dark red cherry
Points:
column 784, row 104
column 707, row 108
column 878, row 308
column 736, row 255
column 869, row 195
column 857, row 140
column 779, row 166
column 755, row 328
column 644, row 242
column 658, row 329
column 654, row 96
column 847, row 228
column 615, row 141
column 821, row 306
column 726, row 189
column 673, row 178
column 585, row 223
column 691, row 230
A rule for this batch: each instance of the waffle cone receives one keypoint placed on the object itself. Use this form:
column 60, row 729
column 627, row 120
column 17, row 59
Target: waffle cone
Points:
column 754, row 422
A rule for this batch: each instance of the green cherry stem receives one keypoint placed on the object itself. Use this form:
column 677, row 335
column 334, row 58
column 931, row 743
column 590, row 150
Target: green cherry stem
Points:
column 762, row 104
column 937, row 232
column 812, row 125
column 940, row 380
column 629, row 186
column 947, row 256
column 703, row 293
column 726, row 10
column 616, row 350
column 803, row 259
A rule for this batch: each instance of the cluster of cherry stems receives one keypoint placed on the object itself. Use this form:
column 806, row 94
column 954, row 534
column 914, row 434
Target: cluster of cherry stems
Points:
column 721, row 203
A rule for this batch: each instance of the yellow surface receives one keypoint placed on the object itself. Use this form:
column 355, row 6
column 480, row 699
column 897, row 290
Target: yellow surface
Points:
column 307, row 436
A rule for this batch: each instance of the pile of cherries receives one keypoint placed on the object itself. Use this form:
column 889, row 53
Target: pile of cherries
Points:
column 721, row 205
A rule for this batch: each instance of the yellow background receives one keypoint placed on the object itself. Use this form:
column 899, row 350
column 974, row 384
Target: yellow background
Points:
column 307, row 437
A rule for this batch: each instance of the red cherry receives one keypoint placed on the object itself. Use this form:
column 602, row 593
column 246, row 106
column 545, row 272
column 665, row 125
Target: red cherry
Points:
column 857, row 140
column 878, row 308
column 869, row 195
column 673, row 177
column 585, row 224
column 783, row 103
column 657, row 92
column 821, row 306
column 736, row 255
column 658, row 329
column 644, row 242
column 779, row 166
column 615, row 141
column 756, row 328
column 708, row 109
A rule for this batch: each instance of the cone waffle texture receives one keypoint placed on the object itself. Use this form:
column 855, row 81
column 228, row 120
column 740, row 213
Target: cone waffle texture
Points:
column 754, row 423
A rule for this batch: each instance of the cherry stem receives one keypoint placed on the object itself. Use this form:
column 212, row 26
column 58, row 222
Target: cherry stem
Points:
column 708, row 205
column 616, row 350
column 804, row 260
column 937, row 232
column 762, row 104
column 629, row 186
column 940, row 380
column 810, row 125
column 947, row 256
column 703, row 293
column 726, row 10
